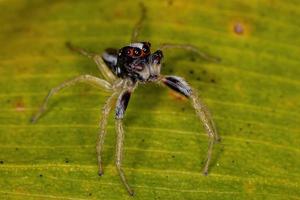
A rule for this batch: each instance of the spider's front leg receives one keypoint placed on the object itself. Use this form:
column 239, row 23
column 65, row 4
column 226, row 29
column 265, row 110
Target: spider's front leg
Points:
column 180, row 85
column 98, row 59
column 92, row 80
column 138, row 26
column 120, row 111
column 103, row 123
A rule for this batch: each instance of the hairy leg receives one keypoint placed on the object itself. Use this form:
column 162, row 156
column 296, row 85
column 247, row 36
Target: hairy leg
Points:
column 138, row 26
column 190, row 48
column 209, row 126
column 119, row 155
column 92, row 80
column 120, row 111
column 180, row 85
column 104, row 70
column 100, row 141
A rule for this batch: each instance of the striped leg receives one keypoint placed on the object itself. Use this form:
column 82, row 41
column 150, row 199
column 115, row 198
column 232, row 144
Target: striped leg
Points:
column 181, row 86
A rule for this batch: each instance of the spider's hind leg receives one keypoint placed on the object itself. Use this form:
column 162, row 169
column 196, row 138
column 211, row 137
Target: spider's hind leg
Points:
column 181, row 86
column 191, row 48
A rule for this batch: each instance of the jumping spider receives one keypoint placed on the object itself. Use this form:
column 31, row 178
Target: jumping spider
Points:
column 122, row 71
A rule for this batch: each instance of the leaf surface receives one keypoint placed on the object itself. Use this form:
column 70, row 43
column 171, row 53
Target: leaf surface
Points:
column 254, row 95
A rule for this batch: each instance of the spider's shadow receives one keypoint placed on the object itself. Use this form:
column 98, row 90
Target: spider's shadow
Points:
column 148, row 98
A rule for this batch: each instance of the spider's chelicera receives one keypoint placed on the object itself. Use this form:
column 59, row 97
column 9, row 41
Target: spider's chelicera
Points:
column 122, row 71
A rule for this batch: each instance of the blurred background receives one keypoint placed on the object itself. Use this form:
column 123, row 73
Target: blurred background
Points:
column 253, row 93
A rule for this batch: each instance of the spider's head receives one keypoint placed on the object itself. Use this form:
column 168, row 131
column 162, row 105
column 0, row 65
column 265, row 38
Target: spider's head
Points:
column 137, row 62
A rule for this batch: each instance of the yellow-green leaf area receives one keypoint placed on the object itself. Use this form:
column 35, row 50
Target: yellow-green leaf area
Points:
column 253, row 93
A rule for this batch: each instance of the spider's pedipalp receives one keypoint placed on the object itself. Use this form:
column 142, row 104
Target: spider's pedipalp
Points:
column 180, row 85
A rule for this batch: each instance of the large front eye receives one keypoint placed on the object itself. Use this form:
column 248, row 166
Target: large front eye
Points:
column 137, row 52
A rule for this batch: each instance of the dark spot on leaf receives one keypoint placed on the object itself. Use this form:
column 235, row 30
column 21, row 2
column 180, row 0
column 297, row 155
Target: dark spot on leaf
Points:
column 239, row 28
column 66, row 160
column 17, row 149
column 241, row 129
column 173, row 156
column 170, row 71
column 170, row 2
column 143, row 140
column 41, row 175
column 1, row 162
column 233, row 161
column 90, row 194
column 191, row 71
column 248, row 124
column 193, row 59
column 204, row 72
column 198, row 79
column 19, row 105
column 212, row 80
column 182, row 109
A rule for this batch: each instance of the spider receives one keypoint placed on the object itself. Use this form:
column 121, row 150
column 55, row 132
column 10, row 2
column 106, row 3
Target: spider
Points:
column 122, row 71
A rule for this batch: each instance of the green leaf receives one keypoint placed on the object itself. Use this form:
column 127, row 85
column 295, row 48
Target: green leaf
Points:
column 254, row 95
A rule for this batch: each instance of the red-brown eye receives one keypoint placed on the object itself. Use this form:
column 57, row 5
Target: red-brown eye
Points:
column 137, row 52
column 128, row 52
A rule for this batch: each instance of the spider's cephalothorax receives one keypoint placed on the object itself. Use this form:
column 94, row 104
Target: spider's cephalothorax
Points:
column 122, row 70
column 134, row 61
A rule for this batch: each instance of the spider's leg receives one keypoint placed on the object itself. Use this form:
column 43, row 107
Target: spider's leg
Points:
column 100, row 141
column 92, row 80
column 191, row 48
column 120, row 110
column 98, row 59
column 138, row 26
column 180, row 85
column 80, row 50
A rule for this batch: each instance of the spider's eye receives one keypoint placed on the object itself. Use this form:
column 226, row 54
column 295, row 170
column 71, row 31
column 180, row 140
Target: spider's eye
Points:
column 128, row 52
column 145, row 49
column 137, row 52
